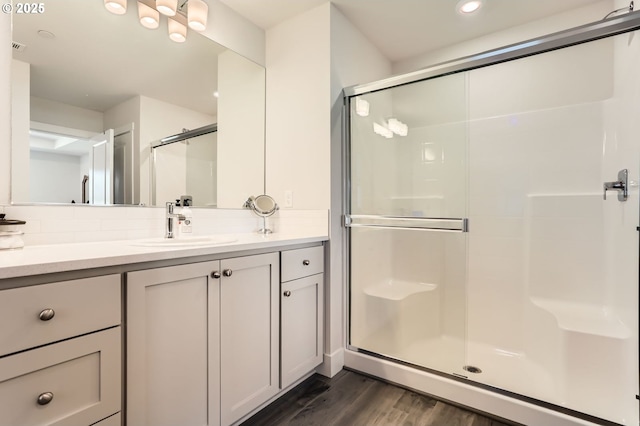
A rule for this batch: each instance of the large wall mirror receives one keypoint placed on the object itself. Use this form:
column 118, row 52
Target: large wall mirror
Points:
column 94, row 95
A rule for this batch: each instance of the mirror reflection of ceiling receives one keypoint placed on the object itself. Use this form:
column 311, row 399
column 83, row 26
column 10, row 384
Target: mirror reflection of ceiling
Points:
column 97, row 60
column 51, row 142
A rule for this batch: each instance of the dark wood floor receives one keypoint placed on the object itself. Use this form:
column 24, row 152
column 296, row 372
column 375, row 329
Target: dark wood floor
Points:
column 353, row 399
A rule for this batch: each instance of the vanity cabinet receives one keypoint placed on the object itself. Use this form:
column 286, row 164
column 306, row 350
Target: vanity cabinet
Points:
column 301, row 313
column 202, row 341
column 60, row 360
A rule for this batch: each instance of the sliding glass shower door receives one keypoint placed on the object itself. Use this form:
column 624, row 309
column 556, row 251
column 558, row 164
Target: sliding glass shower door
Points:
column 493, row 218
column 407, row 222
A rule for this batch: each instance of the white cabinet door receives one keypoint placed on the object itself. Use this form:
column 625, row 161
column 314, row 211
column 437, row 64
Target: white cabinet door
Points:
column 172, row 339
column 249, row 340
column 301, row 305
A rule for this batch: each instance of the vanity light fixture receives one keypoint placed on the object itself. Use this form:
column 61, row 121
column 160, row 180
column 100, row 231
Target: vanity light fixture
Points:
column 149, row 17
column 180, row 14
column 177, row 31
column 468, row 6
column 197, row 11
column 119, row 7
column 167, row 7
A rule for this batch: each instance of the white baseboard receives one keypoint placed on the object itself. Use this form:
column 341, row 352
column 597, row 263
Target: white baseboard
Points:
column 332, row 364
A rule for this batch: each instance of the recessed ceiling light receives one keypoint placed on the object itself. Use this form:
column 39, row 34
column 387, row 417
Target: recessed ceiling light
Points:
column 46, row 34
column 468, row 6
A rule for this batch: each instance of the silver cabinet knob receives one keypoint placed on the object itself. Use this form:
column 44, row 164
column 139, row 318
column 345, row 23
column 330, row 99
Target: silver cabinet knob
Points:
column 46, row 314
column 287, row 293
column 45, row 398
column 215, row 274
column 306, row 262
column 227, row 272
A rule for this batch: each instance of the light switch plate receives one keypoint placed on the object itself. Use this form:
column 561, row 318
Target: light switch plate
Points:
column 288, row 198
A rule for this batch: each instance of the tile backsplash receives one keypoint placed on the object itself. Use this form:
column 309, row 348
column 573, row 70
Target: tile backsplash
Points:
column 63, row 224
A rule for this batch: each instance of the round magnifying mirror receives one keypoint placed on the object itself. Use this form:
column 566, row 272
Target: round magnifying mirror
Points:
column 264, row 205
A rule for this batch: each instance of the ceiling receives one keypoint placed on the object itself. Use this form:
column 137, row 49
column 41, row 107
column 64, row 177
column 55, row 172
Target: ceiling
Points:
column 114, row 48
column 97, row 60
column 405, row 28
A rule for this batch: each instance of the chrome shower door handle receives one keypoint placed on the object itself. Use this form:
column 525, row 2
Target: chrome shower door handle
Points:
column 621, row 185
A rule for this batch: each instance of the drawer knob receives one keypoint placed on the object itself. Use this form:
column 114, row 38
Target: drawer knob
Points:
column 45, row 398
column 287, row 293
column 47, row 314
column 306, row 262
column 227, row 272
column 215, row 274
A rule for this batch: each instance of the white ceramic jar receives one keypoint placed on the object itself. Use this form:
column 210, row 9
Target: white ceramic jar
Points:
column 11, row 233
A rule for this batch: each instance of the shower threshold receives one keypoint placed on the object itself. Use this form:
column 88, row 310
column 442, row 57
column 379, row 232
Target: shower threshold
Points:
column 500, row 370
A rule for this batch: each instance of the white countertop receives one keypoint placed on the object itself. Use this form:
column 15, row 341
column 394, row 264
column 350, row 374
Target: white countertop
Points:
column 46, row 259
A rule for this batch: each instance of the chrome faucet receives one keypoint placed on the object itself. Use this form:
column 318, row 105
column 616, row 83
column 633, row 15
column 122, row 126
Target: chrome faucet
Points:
column 170, row 215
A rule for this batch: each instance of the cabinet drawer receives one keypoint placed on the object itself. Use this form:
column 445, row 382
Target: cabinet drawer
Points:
column 78, row 306
column 82, row 376
column 302, row 263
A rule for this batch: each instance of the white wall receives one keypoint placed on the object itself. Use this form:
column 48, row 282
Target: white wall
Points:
column 20, row 125
column 298, row 104
column 59, row 114
column 241, row 118
column 235, row 32
column 5, row 107
column 67, row 183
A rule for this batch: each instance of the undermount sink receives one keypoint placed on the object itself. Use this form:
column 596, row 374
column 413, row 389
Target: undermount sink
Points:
column 183, row 242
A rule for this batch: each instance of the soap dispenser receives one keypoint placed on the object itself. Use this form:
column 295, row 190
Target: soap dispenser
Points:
column 186, row 224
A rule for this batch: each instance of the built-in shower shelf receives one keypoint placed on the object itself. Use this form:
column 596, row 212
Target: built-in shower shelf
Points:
column 398, row 290
column 585, row 318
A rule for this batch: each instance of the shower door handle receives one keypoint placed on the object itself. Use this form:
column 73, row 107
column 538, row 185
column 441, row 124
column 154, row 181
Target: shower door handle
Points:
column 621, row 185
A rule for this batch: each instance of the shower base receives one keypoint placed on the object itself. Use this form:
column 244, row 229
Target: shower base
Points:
column 500, row 368
column 477, row 398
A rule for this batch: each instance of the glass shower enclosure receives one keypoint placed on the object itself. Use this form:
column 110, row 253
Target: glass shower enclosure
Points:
column 492, row 214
